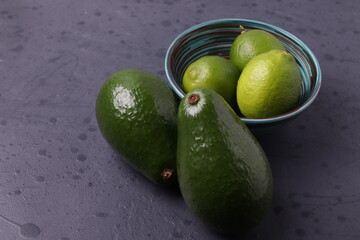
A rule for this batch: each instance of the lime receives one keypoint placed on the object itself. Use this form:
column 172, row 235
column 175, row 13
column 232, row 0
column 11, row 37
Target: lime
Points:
column 269, row 85
column 250, row 44
column 214, row 72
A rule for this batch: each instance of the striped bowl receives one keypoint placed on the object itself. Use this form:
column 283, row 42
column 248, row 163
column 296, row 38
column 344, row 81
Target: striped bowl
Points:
column 215, row 38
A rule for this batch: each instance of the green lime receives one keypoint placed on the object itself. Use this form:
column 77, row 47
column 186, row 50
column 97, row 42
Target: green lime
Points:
column 250, row 44
column 214, row 72
column 269, row 85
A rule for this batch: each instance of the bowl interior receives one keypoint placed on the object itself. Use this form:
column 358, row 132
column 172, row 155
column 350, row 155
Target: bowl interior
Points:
column 216, row 37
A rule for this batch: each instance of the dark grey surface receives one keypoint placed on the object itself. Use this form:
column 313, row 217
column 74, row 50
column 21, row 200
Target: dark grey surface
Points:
column 58, row 173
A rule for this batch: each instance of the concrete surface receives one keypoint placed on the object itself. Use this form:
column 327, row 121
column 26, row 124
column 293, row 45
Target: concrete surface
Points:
column 59, row 179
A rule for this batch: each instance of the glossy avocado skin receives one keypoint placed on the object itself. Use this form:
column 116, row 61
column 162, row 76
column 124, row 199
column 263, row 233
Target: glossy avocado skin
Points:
column 223, row 173
column 136, row 113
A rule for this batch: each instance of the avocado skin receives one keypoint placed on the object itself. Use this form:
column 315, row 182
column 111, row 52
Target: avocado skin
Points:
column 136, row 114
column 223, row 173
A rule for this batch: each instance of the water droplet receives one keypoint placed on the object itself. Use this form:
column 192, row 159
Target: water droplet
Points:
column 301, row 127
column 101, row 214
column 301, row 30
column 344, row 127
column 305, row 214
column 324, row 165
column 339, row 199
column 166, row 23
column 40, row 179
column 187, row 222
column 52, row 120
column 300, row 232
column 341, row 218
column 42, row 152
column 278, row 210
column 82, row 136
column 76, row 177
column 27, row 230
column 87, row 120
column 43, row 101
column 168, row 2
column 74, row 149
column 161, row 52
column 81, row 157
column 316, row 31
column 92, row 129
column 329, row 57
column 18, row 48
column 296, row 205
column 17, row 172
column 178, row 235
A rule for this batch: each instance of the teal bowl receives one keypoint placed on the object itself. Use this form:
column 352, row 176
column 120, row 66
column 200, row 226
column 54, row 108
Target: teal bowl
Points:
column 215, row 38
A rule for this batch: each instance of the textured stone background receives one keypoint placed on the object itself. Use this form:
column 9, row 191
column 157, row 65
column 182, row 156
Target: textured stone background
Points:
column 58, row 173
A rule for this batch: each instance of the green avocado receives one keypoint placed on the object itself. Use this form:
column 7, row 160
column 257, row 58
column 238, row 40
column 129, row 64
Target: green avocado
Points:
column 136, row 113
column 223, row 173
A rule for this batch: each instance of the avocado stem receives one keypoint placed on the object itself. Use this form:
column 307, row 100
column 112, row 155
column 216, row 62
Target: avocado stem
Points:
column 243, row 30
column 193, row 99
column 167, row 173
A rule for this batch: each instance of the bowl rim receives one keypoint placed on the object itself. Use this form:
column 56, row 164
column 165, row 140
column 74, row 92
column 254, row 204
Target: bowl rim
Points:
column 289, row 35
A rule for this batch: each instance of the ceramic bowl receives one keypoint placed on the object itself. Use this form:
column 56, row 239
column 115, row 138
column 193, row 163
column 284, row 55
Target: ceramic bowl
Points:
column 215, row 38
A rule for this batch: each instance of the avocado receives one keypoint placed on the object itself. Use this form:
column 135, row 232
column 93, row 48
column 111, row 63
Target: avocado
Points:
column 223, row 173
column 137, row 114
